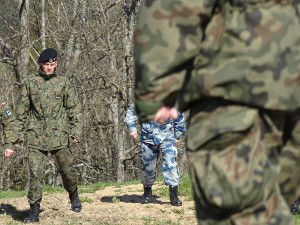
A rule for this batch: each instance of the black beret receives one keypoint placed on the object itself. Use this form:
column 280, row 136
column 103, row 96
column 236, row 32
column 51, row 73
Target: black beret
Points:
column 48, row 55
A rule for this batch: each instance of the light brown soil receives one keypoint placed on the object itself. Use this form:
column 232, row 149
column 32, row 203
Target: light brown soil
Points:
column 112, row 205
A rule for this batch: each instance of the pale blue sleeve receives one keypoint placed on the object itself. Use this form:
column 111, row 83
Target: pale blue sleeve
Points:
column 179, row 126
column 131, row 119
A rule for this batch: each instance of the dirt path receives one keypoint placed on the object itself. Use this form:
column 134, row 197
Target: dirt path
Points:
column 112, row 205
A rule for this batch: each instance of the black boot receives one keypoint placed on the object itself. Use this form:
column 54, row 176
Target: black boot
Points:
column 174, row 200
column 33, row 214
column 147, row 195
column 75, row 201
column 295, row 207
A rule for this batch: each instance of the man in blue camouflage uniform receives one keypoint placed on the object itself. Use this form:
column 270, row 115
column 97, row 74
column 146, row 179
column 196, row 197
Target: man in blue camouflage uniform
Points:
column 156, row 138
column 234, row 64
column 50, row 114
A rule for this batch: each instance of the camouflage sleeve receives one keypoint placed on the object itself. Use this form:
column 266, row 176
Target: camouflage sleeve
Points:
column 179, row 126
column 74, row 111
column 21, row 113
column 167, row 38
column 8, row 119
column 131, row 119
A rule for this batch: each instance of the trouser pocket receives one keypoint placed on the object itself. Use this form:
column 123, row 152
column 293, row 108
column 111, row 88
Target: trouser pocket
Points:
column 229, row 158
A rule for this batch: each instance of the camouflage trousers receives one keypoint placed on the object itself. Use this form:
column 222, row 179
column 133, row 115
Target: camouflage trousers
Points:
column 149, row 157
column 234, row 154
column 64, row 163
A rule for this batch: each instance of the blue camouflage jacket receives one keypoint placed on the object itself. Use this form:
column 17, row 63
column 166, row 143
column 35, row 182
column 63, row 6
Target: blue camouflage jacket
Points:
column 155, row 133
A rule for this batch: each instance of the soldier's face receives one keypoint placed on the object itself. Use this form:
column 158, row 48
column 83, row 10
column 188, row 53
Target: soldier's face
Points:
column 48, row 67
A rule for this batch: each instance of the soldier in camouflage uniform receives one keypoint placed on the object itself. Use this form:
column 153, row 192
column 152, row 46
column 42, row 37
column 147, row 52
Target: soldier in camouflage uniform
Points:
column 235, row 65
column 156, row 138
column 51, row 114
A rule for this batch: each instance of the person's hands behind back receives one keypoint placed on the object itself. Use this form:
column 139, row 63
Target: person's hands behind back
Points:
column 133, row 135
column 164, row 113
column 8, row 153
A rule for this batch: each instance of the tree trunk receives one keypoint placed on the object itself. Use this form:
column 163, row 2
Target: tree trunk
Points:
column 43, row 24
column 23, row 57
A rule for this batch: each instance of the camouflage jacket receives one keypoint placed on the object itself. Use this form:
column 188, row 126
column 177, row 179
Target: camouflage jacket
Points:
column 154, row 133
column 49, row 111
column 244, row 51
column 6, row 119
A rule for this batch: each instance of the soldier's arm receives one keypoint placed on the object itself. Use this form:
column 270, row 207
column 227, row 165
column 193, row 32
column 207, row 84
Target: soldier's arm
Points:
column 9, row 132
column 131, row 119
column 21, row 112
column 74, row 111
column 167, row 38
column 7, row 118
column 12, row 126
column 179, row 126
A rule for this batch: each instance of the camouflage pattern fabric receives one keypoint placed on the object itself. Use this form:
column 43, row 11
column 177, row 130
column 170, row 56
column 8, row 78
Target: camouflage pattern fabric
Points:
column 49, row 111
column 64, row 162
column 155, row 133
column 156, row 139
column 149, row 157
column 234, row 166
column 241, row 50
column 234, row 64
column 7, row 118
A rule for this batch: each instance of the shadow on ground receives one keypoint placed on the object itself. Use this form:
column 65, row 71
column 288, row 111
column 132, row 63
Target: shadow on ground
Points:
column 13, row 212
column 130, row 199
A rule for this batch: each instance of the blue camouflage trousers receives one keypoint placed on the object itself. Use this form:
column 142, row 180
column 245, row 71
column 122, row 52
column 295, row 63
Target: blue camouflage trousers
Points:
column 149, row 157
column 64, row 163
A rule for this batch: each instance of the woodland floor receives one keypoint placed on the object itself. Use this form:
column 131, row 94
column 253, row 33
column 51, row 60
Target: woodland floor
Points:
column 112, row 205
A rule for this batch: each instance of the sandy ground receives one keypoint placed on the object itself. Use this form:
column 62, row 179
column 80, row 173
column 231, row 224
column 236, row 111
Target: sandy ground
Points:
column 112, row 205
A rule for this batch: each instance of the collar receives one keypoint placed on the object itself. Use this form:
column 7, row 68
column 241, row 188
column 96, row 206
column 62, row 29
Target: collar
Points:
column 45, row 76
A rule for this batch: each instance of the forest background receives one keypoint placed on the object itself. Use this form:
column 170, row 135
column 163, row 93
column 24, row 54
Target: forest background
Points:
column 94, row 41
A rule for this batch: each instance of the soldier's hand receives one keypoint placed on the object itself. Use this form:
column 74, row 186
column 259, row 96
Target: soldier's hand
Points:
column 133, row 134
column 8, row 153
column 164, row 113
column 73, row 139
column 3, row 104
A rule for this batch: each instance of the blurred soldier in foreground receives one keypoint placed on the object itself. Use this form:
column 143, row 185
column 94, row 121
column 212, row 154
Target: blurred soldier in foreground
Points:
column 50, row 113
column 156, row 138
column 235, row 65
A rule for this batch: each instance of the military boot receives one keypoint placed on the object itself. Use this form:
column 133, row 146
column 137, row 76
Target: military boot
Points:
column 33, row 214
column 174, row 200
column 147, row 195
column 75, row 201
column 295, row 207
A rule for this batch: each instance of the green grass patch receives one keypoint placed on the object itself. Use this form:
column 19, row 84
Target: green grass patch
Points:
column 155, row 221
column 185, row 188
column 115, row 199
column 53, row 189
column 296, row 219
column 86, row 199
column 178, row 211
column 12, row 194
column 89, row 188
